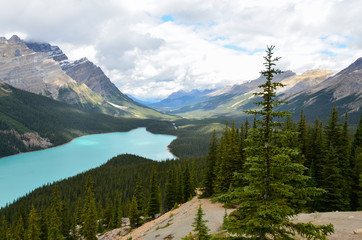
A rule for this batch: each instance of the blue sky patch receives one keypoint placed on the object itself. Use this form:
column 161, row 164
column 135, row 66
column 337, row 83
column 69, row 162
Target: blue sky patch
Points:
column 234, row 47
column 329, row 53
column 239, row 49
column 167, row 18
column 341, row 45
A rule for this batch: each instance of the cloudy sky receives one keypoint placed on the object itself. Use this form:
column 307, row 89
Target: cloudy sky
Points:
column 151, row 48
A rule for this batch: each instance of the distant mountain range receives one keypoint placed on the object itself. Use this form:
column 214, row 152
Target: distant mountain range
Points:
column 314, row 91
column 44, row 69
column 180, row 99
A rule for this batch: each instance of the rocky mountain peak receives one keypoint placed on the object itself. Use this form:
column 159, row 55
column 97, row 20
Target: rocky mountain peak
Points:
column 355, row 66
column 53, row 52
column 23, row 68
column 15, row 39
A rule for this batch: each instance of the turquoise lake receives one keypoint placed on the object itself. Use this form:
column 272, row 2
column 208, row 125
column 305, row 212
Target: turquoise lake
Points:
column 22, row 173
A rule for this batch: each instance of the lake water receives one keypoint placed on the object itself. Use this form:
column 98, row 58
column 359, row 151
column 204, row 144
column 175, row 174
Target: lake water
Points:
column 22, row 173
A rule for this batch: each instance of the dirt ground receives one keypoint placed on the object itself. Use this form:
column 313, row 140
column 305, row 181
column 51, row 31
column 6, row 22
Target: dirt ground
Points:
column 177, row 223
column 345, row 223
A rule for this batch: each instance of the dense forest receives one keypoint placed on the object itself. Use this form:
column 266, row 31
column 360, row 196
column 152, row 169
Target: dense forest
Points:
column 157, row 187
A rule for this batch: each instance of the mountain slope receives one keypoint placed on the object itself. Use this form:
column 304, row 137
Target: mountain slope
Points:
column 181, row 98
column 85, row 72
column 344, row 90
column 315, row 91
column 35, row 72
column 226, row 101
column 29, row 121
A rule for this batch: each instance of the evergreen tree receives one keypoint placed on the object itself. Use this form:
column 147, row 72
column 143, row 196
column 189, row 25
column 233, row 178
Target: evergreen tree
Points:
column 318, row 152
column 276, row 187
column 179, row 186
column 133, row 213
column 188, row 189
column 3, row 229
column 107, row 215
column 139, row 194
column 154, row 204
column 246, row 128
column 302, row 137
column 223, row 175
column 79, row 212
column 345, row 165
column 333, row 129
column 19, row 229
column 43, row 225
column 332, row 179
column 170, row 191
column 33, row 228
column 356, row 166
column 200, row 228
column 55, row 220
column 335, row 167
column 209, row 177
column 67, row 222
column 89, row 212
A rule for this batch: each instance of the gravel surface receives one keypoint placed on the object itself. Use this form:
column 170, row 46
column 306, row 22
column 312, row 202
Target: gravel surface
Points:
column 177, row 223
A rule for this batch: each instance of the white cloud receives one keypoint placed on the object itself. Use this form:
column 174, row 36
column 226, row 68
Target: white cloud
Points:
column 207, row 44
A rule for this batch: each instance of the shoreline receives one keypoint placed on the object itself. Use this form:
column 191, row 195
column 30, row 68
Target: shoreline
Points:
column 53, row 146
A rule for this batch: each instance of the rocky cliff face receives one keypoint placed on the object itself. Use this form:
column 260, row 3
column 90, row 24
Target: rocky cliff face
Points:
column 307, row 80
column 35, row 72
column 345, row 83
column 53, row 52
column 84, row 71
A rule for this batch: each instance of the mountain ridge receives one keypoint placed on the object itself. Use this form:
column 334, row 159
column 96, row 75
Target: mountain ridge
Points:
column 86, row 72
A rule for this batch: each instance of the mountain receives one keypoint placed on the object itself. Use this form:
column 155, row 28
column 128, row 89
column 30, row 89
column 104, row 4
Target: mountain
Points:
column 35, row 72
column 314, row 91
column 226, row 101
column 85, row 72
column 31, row 122
column 239, row 89
column 344, row 90
column 181, row 98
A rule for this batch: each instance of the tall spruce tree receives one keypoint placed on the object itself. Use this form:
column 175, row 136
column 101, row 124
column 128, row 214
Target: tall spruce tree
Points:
column 209, row 177
column 189, row 191
column 223, row 175
column 356, row 166
column 139, row 194
column 89, row 212
column 55, row 219
column 154, row 205
column 19, row 233
column 345, row 165
column 335, row 167
column 33, row 231
column 133, row 213
column 170, row 191
column 276, row 187
column 4, row 228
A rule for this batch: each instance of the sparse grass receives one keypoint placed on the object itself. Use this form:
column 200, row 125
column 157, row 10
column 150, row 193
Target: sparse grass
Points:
column 165, row 226
column 169, row 237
